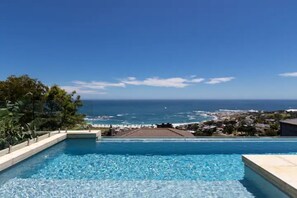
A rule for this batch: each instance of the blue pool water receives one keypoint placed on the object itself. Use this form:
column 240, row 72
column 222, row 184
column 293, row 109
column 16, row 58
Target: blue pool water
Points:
column 140, row 168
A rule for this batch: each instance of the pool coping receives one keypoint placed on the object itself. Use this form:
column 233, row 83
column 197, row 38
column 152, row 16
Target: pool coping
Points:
column 280, row 170
column 32, row 147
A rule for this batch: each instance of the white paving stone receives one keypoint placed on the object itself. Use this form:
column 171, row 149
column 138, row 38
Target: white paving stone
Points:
column 280, row 170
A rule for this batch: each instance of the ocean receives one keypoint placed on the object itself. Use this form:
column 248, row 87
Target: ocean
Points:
column 146, row 112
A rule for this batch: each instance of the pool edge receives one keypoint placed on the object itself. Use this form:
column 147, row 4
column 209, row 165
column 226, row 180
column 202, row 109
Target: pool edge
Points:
column 277, row 169
column 19, row 155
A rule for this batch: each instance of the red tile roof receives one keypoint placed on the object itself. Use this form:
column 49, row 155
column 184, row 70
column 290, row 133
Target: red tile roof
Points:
column 159, row 132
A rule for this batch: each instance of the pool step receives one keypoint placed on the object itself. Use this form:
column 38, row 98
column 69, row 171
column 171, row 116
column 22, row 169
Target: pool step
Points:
column 280, row 170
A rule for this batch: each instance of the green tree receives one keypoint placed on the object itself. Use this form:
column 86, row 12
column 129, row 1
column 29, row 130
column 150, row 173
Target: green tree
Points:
column 62, row 109
column 23, row 88
column 249, row 130
column 229, row 129
column 28, row 105
column 10, row 127
column 275, row 126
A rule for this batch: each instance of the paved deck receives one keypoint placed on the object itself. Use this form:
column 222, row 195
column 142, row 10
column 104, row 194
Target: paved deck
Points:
column 280, row 170
column 83, row 134
column 159, row 132
column 26, row 152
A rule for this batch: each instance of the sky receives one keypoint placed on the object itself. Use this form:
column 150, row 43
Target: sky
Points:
column 156, row 49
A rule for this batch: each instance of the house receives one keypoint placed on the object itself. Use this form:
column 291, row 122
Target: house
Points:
column 157, row 132
column 288, row 127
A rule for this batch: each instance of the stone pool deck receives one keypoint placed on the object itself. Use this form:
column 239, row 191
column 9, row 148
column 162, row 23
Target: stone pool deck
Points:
column 32, row 147
column 83, row 134
column 280, row 170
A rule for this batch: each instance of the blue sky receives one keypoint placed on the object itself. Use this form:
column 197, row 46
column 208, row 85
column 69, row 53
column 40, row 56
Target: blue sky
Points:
column 161, row 49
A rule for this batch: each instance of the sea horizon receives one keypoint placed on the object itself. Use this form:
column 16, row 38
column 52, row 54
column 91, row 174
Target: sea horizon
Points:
column 176, row 111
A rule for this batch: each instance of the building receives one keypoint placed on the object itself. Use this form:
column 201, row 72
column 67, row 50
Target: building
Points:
column 157, row 132
column 288, row 127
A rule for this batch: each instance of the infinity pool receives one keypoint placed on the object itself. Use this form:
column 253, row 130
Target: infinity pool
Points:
column 140, row 168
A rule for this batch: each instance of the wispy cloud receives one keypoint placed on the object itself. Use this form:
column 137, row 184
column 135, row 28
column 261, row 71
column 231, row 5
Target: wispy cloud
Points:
column 176, row 82
column 81, row 90
column 214, row 81
column 98, row 87
column 196, row 80
column 92, row 87
column 290, row 74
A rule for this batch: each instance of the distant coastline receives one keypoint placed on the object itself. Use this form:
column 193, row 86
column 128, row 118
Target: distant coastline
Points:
column 223, row 124
column 136, row 113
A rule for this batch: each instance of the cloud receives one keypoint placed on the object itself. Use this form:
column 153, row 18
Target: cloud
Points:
column 176, row 82
column 214, row 81
column 97, row 85
column 81, row 90
column 92, row 87
column 291, row 74
column 196, row 80
column 131, row 78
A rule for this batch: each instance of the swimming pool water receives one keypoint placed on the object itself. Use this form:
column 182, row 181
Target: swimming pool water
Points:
column 83, row 168
column 142, row 167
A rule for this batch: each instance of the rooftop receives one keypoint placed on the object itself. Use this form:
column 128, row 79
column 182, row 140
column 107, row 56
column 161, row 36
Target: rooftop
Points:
column 290, row 121
column 158, row 132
